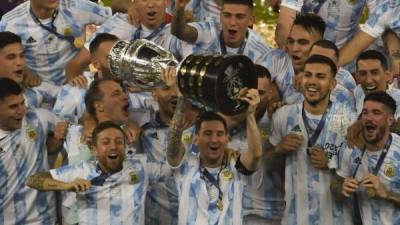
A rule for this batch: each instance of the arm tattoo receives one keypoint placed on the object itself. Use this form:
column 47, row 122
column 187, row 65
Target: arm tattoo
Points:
column 174, row 146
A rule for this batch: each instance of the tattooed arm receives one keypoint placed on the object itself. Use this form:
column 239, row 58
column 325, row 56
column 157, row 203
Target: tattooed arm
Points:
column 44, row 182
column 175, row 148
column 179, row 28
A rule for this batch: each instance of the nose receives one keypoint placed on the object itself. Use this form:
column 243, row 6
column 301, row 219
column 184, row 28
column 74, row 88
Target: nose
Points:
column 20, row 61
column 22, row 109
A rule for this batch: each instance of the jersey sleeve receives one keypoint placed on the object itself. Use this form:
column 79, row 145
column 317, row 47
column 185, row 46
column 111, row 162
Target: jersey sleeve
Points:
column 293, row 4
column 344, row 169
column 206, row 32
column 278, row 119
column 70, row 173
column 378, row 20
column 88, row 12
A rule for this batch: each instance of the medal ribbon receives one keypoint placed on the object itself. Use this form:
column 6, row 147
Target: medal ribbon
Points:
column 99, row 180
column 223, row 46
column 320, row 126
column 206, row 176
column 136, row 35
column 52, row 29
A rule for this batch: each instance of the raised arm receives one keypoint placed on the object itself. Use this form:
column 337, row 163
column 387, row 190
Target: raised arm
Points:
column 175, row 148
column 251, row 158
column 354, row 47
column 44, row 182
column 179, row 28
column 283, row 25
column 78, row 64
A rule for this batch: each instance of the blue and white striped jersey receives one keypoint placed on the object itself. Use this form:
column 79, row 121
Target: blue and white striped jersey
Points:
column 375, row 210
column 70, row 103
column 208, row 41
column 359, row 95
column 206, row 10
column 197, row 203
column 307, row 193
column 120, row 200
column 23, row 153
column 264, row 192
column 119, row 26
column 162, row 198
column 384, row 16
column 44, row 93
column 341, row 17
column 46, row 54
column 344, row 78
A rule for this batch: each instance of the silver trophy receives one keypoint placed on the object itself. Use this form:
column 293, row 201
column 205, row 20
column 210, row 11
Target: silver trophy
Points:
column 139, row 62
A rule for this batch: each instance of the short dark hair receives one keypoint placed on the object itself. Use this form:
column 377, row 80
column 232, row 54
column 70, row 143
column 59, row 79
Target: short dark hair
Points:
column 328, row 45
column 9, row 87
column 262, row 71
column 99, row 39
column 323, row 60
column 7, row 38
column 384, row 98
column 373, row 54
column 249, row 3
column 94, row 94
column 210, row 116
column 311, row 22
column 103, row 126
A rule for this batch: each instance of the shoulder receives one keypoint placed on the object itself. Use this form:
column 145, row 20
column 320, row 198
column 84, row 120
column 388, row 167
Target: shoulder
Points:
column 17, row 14
column 256, row 39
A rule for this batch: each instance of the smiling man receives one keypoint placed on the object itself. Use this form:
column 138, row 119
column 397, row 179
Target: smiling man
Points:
column 236, row 16
column 112, row 189
column 373, row 75
column 369, row 175
column 310, row 135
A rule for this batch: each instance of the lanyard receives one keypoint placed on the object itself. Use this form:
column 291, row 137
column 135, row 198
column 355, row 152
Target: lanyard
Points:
column 206, row 176
column 320, row 126
column 52, row 29
column 223, row 46
column 136, row 35
column 99, row 180
column 380, row 160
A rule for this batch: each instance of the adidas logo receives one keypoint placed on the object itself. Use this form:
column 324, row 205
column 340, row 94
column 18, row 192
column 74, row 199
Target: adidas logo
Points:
column 296, row 129
column 30, row 40
column 154, row 135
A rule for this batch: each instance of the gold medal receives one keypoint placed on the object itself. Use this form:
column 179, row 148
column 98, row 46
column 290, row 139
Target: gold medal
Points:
column 79, row 42
column 220, row 205
column 226, row 175
column 370, row 192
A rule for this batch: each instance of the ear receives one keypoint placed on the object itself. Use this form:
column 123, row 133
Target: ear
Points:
column 196, row 139
column 251, row 21
column 333, row 83
column 392, row 121
column 96, row 63
column 99, row 106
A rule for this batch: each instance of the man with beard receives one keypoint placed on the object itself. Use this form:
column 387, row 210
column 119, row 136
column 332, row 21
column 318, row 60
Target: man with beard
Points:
column 110, row 190
column 370, row 174
column 52, row 32
column 373, row 75
column 310, row 135
column 162, row 198
column 236, row 38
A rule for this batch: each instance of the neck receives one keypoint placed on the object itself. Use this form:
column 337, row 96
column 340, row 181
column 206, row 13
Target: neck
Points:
column 317, row 109
column 104, row 169
column 164, row 117
column 211, row 164
column 42, row 13
column 153, row 27
column 373, row 147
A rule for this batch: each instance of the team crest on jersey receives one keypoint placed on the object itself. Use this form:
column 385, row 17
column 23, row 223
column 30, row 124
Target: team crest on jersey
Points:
column 389, row 169
column 133, row 177
column 226, row 174
column 67, row 31
column 31, row 133
column 186, row 139
column 264, row 134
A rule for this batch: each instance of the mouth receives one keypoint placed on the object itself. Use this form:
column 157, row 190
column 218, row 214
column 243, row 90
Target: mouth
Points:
column 19, row 72
column 151, row 14
column 295, row 58
column 232, row 32
column 370, row 128
column 214, row 147
column 113, row 156
column 370, row 88
column 311, row 90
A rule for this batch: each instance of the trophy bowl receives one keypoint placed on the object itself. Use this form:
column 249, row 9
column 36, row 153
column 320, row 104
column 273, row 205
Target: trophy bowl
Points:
column 216, row 80
column 139, row 62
